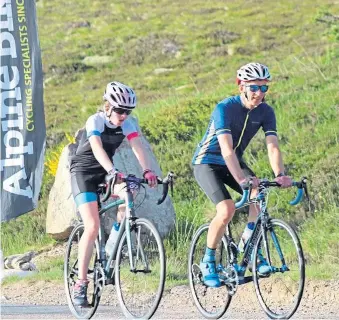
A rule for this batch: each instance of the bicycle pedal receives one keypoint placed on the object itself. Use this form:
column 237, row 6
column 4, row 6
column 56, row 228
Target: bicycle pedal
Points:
column 141, row 271
column 88, row 306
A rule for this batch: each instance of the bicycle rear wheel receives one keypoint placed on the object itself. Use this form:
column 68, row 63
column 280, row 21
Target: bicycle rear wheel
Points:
column 211, row 302
column 280, row 290
column 140, row 291
column 71, row 275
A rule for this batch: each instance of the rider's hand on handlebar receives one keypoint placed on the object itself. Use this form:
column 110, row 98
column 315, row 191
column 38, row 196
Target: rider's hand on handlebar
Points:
column 253, row 181
column 114, row 174
column 284, row 181
column 151, row 178
column 119, row 178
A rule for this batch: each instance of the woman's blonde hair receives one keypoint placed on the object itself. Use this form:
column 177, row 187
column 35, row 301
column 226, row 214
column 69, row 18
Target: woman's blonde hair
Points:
column 106, row 106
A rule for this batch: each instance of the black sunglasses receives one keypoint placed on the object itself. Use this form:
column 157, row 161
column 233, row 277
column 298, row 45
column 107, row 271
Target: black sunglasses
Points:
column 122, row 111
column 255, row 87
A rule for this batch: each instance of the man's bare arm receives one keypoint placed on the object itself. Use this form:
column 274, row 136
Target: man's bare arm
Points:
column 274, row 155
column 226, row 145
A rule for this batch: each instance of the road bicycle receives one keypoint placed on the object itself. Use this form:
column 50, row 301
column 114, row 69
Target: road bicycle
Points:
column 136, row 264
column 274, row 244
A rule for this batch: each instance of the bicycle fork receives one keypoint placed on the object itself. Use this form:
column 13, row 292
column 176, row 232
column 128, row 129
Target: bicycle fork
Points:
column 277, row 246
column 131, row 246
column 267, row 228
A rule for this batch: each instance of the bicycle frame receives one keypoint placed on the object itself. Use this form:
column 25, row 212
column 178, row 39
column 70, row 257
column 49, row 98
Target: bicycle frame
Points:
column 260, row 224
column 125, row 226
column 129, row 216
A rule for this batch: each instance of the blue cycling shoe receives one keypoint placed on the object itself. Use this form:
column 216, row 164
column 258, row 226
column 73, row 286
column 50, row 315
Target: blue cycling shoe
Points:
column 263, row 268
column 210, row 276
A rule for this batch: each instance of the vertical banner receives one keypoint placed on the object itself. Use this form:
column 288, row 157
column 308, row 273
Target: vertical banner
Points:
column 23, row 131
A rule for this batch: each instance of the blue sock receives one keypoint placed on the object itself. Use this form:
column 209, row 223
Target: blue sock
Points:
column 209, row 255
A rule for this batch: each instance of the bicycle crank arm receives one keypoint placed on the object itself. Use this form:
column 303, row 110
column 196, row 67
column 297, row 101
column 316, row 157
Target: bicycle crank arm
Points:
column 142, row 271
column 282, row 269
column 245, row 280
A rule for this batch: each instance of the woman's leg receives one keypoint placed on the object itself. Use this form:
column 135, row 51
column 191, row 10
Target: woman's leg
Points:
column 90, row 217
column 120, row 191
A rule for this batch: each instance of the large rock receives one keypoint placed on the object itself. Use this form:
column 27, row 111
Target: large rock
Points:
column 61, row 211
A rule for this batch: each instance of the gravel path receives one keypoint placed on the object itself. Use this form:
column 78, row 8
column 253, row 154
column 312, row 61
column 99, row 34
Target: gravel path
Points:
column 320, row 300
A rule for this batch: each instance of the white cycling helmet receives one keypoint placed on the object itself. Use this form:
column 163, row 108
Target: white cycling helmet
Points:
column 253, row 71
column 120, row 95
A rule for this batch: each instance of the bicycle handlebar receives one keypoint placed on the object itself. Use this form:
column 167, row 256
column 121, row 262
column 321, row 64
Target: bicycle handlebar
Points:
column 242, row 201
column 168, row 181
column 302, row 188
column 301, row 185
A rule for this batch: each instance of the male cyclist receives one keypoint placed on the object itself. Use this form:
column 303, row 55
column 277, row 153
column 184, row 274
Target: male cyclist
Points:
column 92, row 163
column 218, row 158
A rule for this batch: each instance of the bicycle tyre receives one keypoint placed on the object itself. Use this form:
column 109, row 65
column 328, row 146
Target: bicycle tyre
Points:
column 296, row 264
column 70, row 275
column 196, row 252
column 148, row 240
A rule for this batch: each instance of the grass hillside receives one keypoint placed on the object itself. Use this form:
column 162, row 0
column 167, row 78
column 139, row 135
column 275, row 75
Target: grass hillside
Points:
column 181, row 58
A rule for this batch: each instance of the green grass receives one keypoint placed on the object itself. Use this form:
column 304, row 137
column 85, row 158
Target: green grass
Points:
column 203, row 44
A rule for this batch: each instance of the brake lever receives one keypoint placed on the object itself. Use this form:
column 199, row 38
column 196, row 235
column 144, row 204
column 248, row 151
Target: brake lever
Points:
column 170, row 179
column 304, row 185
column 171, row 188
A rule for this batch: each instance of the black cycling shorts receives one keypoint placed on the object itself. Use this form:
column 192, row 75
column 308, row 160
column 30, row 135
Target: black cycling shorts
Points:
column 86, row 182
column 213, row 178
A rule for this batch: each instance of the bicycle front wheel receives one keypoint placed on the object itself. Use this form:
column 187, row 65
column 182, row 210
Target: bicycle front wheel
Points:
column 211, row 302
column 71, row 275
column 140, row 290
column 280, row 288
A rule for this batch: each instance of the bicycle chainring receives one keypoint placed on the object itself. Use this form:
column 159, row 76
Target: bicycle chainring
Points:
column 99, row 279
column 230, row 278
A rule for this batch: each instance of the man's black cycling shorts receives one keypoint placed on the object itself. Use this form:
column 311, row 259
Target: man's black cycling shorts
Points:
column 212, row 179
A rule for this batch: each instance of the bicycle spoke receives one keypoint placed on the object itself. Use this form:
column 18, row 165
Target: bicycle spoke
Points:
column 280, row 290
column 140, row 290
column 211, row 302
column 71, row 275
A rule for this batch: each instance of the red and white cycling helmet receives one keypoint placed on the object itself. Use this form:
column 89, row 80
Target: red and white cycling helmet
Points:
column 120, row 95
column 253, row 71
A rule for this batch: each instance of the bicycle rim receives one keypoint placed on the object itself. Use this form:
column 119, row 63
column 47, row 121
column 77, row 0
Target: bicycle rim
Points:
column 71, row 275
column 279, row 292
column 211, row 302
column 139, row 292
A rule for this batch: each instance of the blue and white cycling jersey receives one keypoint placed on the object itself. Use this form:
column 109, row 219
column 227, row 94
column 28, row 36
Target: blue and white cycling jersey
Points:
column 231, row 117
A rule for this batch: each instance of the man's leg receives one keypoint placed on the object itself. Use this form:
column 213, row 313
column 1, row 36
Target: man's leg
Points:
column 254, row 208
column 211, row 179
column 225, row 212
column 262, row 265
